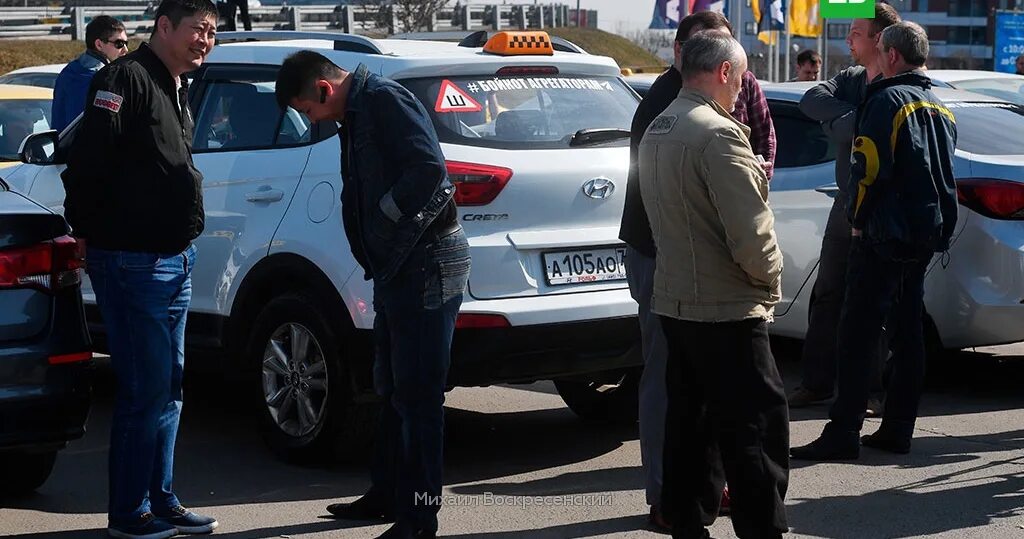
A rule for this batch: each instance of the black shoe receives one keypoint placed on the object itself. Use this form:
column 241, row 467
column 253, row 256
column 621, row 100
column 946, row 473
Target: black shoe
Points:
column 401, row 531
column 887, row 442
column 369, row 507
column 831, row 445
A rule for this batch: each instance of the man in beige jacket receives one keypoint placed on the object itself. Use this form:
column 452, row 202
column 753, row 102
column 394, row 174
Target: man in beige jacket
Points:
column 717, row 281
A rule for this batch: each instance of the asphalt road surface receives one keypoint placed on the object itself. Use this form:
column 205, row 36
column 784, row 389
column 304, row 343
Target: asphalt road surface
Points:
column 519, row 464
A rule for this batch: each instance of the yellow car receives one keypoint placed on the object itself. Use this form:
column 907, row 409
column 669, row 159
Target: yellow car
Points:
column 23, row 110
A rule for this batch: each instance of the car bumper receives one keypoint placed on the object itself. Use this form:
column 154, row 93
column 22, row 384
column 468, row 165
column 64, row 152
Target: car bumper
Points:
column 49, row 413
column 978, row 298
column 483, row 357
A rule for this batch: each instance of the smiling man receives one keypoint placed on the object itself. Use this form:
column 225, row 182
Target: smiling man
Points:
column 134, row 195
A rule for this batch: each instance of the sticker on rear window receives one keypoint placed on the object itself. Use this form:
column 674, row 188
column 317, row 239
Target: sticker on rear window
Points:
column 540, row 83
column 107, row 100
column 451, row 98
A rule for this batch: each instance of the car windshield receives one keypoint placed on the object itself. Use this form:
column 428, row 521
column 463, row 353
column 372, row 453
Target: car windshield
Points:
column 20, row 118
column 526, row 112
column 1009, row 89
column 989, row 128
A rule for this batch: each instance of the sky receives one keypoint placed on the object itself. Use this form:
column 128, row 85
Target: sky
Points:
column 615, row 15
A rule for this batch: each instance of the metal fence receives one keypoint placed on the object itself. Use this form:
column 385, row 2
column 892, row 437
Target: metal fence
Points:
column 71, row 20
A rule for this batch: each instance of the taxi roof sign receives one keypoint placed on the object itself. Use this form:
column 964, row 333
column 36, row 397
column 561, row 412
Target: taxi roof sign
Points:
column 520, row 44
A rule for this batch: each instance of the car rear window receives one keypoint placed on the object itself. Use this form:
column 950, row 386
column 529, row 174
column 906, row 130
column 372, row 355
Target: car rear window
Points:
column 989, row 128
column 1011, row 89
column 524, row 112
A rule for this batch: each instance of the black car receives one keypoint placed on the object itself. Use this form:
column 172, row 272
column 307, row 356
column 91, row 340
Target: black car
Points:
column 45, row 357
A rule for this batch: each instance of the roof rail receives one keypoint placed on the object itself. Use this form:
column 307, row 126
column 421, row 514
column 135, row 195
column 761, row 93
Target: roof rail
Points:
column 480, row 37
column 342, row 41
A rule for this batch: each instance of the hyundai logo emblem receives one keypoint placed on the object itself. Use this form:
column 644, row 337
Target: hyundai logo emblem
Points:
column 599, row 188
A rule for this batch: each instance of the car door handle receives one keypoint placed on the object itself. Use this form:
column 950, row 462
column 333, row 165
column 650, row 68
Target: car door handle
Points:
column 831, row 190
column 265, row 195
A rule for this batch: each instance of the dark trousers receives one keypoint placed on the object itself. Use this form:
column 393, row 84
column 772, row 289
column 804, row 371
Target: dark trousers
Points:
column 819, row 352
column 727, row 419
column 881, row 286
column 229, row 14
column 415, row 320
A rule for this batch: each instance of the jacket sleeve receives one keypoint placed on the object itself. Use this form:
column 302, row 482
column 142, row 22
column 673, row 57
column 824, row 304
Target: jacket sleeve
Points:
column 759, row 120
column 114, row 100
column 871, row 167
column 827, row 104
column 414, row 148
column 739, row 192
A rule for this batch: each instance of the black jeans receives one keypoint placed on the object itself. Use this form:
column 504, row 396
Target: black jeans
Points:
column 819, row 353
column 881, row 286
column 415, row 320
column 727, row 419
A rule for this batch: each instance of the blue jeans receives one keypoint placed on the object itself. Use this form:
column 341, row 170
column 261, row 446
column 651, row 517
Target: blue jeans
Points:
column 415, row 320
column 143, row 298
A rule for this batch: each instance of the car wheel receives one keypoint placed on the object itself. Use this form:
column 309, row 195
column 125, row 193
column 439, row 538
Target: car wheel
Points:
column 25, row 472
column 304, row 397
column 610, row 396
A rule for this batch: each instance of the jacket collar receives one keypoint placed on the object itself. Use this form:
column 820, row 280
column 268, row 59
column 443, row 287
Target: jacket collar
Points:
column 914, row 77
column 91, row 59
column 355, row 93
column 703, row 99
column 145, row 55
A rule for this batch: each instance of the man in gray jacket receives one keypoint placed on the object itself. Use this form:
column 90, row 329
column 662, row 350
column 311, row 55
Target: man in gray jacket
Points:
column 716, row 283
column 834, row 103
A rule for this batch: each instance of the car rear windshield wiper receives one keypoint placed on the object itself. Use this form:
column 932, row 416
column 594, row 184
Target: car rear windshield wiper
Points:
column 586, row 137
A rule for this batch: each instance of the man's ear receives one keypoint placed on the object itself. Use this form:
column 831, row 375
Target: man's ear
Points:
column 725, row 70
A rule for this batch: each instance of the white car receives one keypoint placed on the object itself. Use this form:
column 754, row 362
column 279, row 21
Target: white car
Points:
column 537, row 146
column 1005, row 86
column 975, row 297
column 44, row 76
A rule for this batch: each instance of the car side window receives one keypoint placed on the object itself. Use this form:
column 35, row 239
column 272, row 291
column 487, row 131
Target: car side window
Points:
column 801, row 141
column 243, row 115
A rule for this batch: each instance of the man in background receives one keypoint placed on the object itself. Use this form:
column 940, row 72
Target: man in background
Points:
column 105, row 41
column 808, row 66
column 834, row 103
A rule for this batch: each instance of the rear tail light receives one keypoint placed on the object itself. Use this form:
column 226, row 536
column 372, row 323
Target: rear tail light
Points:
column 481, row 321
column 996, row 199
column 477, row 185
column 70, row 358
column 49, row 266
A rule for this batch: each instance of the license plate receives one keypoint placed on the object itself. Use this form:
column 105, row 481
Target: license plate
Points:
column 585, row 266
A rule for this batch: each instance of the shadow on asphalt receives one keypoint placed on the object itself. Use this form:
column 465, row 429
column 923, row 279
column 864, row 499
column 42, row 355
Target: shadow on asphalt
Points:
column 222, row 459
column 968, row 498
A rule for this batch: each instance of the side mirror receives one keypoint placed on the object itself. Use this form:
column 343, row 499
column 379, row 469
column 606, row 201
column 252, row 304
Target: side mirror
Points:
column 39, row 148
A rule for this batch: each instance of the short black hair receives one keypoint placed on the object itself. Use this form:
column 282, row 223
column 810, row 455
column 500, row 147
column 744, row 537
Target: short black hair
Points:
column 885, row 16
column 299, row 73
column 706, row 20
column 175, row 10
column 808, row 56
column 102, row 27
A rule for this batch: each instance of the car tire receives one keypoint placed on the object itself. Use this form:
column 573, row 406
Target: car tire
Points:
column 610, row 396
column 25, row 472
column 301, row 384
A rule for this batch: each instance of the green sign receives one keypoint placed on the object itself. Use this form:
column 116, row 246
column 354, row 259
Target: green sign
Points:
column 848, row 9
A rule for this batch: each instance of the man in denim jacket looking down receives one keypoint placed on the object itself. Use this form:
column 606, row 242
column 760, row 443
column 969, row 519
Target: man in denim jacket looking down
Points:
column 400, row 219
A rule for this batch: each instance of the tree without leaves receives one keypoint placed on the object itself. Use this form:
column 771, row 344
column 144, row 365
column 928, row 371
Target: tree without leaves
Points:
column 410, row 15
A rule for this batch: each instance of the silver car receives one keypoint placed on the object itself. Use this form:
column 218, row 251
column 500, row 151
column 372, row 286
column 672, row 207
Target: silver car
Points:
column 973, row 297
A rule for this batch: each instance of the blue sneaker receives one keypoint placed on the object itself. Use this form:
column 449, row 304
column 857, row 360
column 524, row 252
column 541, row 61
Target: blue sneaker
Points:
column 188, row 522
column 147, row 527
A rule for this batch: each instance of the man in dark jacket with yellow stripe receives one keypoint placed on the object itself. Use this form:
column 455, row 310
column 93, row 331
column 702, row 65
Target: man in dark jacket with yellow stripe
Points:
column 903, row 210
